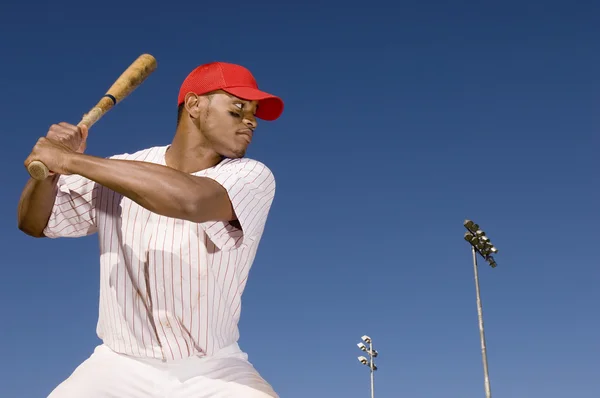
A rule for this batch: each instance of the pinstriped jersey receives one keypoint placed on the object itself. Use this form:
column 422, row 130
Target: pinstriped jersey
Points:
column 169, row 288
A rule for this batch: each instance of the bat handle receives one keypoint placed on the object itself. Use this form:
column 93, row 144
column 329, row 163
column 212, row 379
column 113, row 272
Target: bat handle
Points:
column 38, row 170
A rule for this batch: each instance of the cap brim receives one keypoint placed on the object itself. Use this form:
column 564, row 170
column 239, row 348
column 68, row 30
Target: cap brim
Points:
column 270, row 107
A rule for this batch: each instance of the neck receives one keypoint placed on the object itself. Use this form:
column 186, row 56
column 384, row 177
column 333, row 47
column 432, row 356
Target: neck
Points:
column 189, row 151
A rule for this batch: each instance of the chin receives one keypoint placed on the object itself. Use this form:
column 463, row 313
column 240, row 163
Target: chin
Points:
column 236, row 153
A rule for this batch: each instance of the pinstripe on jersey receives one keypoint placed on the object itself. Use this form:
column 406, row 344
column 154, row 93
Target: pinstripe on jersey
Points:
column 169, row 288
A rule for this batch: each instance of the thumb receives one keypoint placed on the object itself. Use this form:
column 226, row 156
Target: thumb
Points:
column 84, row 135
column 84, row 132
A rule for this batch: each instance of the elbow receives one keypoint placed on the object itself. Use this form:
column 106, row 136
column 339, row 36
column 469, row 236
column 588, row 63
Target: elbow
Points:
column 214, row 206
column 206, row 201
column 30, row 230
column 192, row 211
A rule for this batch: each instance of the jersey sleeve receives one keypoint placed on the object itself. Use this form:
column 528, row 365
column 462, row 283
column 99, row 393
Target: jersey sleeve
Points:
column 74, row 212
column 251, row 188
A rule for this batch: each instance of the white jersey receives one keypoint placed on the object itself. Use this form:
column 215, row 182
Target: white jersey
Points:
column 169, row 288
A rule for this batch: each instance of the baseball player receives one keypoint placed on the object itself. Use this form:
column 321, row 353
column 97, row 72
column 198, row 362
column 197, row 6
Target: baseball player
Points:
column 178, row 227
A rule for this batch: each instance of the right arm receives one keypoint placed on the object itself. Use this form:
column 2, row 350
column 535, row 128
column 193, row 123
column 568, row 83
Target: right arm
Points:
column 59, row 205
column 35, row 205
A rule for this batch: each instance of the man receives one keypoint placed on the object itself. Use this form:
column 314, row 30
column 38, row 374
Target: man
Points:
column 178, row 226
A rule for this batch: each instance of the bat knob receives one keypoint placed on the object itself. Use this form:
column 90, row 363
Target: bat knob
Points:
column 38, row 170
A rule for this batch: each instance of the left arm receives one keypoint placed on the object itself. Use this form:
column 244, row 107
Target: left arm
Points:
column 158, row 188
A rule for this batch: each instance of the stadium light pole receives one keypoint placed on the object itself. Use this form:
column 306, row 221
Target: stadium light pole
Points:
column 369, row 362
column 481, row 244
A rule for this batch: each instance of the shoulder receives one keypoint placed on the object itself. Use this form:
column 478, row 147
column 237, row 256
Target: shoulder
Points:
column 146, row 154
column 247, row 164
column 250, row 176
column 244, row 168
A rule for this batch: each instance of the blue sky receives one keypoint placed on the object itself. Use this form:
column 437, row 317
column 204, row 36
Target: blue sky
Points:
column 400, row 122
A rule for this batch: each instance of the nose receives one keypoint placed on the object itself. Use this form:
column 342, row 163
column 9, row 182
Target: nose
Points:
column 250, row 122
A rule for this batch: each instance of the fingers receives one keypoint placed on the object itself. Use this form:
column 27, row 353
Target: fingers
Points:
column 50, row 152
column 68, row 134
column 58, row 134
column 76, row 130
column 34, row 152
column 65, row 129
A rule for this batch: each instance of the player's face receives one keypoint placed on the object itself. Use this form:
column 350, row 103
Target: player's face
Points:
column 228, row 124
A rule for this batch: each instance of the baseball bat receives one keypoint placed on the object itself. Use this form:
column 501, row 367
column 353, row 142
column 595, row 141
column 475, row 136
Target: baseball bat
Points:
column 129, row 80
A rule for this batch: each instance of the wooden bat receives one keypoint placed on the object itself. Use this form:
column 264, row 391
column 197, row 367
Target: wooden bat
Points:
column 129, row 80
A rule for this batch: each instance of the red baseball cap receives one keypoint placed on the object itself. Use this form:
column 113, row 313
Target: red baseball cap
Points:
column 235, row 80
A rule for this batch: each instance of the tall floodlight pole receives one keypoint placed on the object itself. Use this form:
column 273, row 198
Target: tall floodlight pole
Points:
column 481, row 244
column 369, row 362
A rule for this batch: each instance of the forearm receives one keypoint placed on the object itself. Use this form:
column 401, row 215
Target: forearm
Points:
column 35, row 205
column 158, row 188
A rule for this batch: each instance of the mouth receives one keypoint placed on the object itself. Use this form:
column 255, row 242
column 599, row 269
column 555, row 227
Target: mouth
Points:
column 247, row 134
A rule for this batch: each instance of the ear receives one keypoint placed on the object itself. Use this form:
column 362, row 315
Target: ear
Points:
column 193, row 105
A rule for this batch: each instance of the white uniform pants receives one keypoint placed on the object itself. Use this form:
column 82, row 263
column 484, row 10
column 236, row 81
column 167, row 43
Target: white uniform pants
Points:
column 109, row 374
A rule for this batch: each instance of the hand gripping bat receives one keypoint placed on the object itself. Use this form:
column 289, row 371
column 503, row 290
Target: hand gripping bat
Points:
column 129, row 80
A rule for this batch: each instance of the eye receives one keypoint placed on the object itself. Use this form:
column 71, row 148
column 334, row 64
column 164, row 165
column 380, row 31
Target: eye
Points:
column 241, row 106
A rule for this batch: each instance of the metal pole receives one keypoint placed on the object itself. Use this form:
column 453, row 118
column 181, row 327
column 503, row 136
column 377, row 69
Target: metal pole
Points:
column 486, row 376
column 372, row 370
